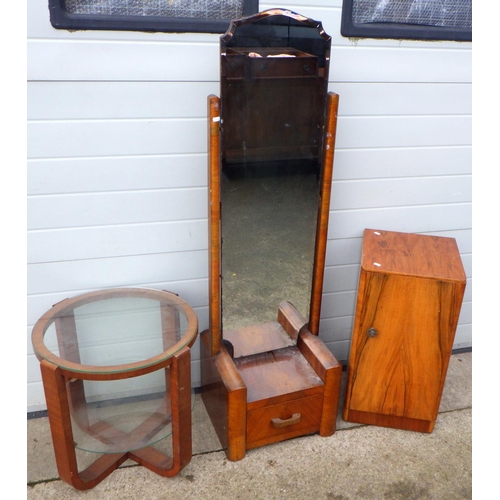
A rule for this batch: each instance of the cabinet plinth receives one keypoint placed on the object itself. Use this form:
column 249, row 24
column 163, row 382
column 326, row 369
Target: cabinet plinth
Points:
column 409, row 298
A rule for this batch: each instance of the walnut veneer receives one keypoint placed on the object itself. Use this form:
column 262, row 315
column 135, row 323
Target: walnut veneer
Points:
column 410, row 294
column 265, row 381
column 122, row 334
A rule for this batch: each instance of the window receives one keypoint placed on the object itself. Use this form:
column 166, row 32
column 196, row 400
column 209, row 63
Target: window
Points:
column 408, row 19
column 209, row 16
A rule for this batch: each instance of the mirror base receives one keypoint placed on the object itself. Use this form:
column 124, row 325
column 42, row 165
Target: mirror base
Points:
column 245, row 395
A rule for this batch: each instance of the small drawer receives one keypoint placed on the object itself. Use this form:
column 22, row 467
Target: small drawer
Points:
column 284, row 421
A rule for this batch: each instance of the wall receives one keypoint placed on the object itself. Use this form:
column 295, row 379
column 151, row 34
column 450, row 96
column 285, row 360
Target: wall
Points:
column 117, row 161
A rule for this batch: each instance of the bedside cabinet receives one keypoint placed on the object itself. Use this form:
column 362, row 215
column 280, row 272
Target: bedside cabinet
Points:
column 409, row 298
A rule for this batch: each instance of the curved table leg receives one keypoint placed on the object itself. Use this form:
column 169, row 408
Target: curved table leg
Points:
column 54, row 384
column 180, row 394
column 58, row 407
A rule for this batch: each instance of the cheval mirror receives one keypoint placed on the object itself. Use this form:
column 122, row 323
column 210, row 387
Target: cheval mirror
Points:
column 266, row 376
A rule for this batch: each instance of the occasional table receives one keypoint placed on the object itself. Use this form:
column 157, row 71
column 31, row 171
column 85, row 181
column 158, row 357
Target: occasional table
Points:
column 116, row 371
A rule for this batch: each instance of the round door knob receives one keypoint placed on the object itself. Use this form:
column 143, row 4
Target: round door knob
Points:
column 372, row 332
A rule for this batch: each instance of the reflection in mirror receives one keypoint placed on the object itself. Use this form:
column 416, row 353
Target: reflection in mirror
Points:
column 274, row 76
column 268, row 232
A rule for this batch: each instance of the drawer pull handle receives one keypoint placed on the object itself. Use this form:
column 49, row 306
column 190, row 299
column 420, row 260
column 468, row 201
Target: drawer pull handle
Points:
column 278, row 422
column 372, row 332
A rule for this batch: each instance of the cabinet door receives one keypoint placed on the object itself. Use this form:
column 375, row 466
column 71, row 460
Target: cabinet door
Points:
column 400, row 369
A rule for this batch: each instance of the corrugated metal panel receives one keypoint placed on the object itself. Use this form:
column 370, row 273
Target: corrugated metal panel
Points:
column 77, row 138
column 117, row 169
column 104, row 209
column 116, row 241
column 74, row 276
column 393, row 163
column 105, row 100
column 110, row 61
column 117, row 173
column 418, row 219
column 114, row 100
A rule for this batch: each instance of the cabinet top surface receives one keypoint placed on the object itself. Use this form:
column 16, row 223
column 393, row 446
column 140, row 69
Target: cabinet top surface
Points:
column 412, row 254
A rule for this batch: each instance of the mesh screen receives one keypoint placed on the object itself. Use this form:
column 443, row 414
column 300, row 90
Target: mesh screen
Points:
column 445, row 13
column 207, row 9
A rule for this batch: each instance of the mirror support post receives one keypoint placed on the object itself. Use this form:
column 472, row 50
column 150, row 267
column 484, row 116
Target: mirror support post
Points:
column 214, row 226
column 323, row 212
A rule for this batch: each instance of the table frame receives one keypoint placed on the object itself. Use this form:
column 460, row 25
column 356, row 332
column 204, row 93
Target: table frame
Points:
column 58, row 372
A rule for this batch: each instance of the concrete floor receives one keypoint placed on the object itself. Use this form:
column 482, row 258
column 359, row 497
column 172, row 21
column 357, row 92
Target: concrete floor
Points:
column 357, row 462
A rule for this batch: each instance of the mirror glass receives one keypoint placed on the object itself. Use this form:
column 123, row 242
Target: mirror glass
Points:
column 274, row 77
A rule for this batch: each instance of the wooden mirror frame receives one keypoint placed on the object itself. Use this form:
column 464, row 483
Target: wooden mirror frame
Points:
column 214, row 216
column 270, row 392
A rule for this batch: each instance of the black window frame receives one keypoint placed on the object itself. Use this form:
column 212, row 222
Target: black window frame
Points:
column 349, row 28
column 61, row 19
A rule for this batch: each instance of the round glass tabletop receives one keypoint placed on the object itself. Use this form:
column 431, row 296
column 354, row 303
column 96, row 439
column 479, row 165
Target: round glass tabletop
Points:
column 114, row 331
